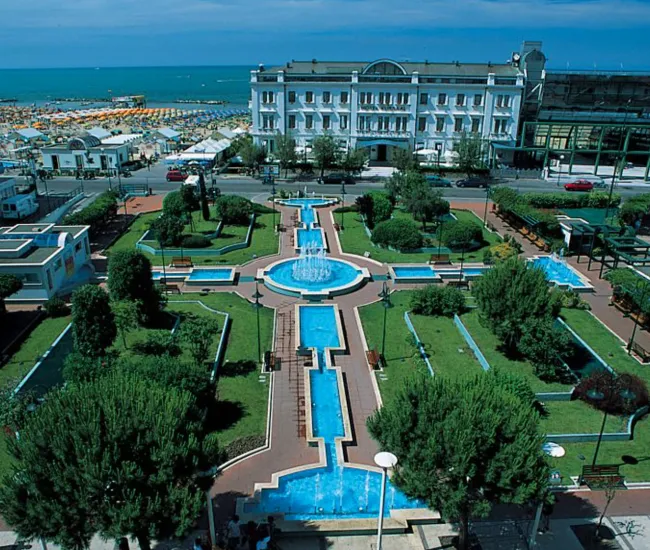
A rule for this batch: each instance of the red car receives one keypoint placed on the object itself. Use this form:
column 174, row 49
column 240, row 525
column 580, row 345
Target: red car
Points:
column 175, row 175
column 579, row 185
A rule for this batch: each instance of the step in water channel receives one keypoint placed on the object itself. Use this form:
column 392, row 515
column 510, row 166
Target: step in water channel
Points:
column 334, row 491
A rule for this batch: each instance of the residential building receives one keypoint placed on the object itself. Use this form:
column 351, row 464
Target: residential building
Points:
column 385, row 105
column 48, row 258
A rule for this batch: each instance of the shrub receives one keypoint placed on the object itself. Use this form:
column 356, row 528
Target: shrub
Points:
column 375, row 207
column 499, row 253
column 93, row 323
column 196, row 241
column 397, row 233
column 158, row 343
column 596, row 199
column 612, row 387
column 462, row 234
column 174, row 205
column 437, row 300
column 546, row 346
column 570, row 299
column 634, row 209
column 97, row 214
column 242, row 445
column 168, row 229
column 56, row 307
column 78, row 368
column 233, row 209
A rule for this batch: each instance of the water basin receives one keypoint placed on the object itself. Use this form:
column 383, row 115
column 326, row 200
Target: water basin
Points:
column 223, row 274
column 560, row 273
column 310, row 238
column 304, row 203
column 414, row 272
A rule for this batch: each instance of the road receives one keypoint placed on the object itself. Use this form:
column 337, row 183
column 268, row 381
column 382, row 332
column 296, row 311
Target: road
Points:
column 250, row 188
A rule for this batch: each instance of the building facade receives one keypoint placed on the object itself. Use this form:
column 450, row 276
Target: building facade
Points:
column 85, row 153
column 47, row 258
column 385, row 105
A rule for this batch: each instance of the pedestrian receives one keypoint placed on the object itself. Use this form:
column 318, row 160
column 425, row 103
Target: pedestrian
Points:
column 251, row 533
column 234, row 533
column 198, row 544
column 264, row 538
column 547, row 512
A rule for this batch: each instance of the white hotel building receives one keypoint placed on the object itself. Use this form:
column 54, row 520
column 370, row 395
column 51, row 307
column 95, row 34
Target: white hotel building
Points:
column 384, row 104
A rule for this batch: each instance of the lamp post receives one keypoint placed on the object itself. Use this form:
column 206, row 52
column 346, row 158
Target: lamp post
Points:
column 642, row 298
column 441, row 222
column 257, row 306
column 596, row 395
column 162, row 253
column 384, row 461
column 559, row 171
column 343, row 205
column 273, row 197
column 616, row 160
column 487, row 198
column 385, row 300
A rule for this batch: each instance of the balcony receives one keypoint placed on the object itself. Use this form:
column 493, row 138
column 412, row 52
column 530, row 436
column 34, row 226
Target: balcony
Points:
column 383, row 108
column 266, row 131
column 268, row 107
column 384, row 133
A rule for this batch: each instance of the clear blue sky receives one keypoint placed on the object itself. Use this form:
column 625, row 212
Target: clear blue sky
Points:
column 83, row 33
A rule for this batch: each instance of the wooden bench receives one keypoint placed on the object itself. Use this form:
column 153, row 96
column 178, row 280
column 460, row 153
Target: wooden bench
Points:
column 442, row 259
column 269, row 361
column 459, row 284
column 374, row 359
column 642, row 353
column 167, row 288
column 434, row 264
column 601, row 475
column 177, row 261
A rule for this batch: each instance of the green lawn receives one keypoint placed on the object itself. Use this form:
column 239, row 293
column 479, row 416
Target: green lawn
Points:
column 264, row 240
column 603, row 342
column 243, row 397
column 578, row 417
column 489, row 346
column 354, row 240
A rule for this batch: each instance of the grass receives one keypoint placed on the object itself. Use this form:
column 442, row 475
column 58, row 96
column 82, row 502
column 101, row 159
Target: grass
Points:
column 264, row 240
column 578, row 417
column 489, row 345
column 243, row 397
column 355, row 240
column 603, row 342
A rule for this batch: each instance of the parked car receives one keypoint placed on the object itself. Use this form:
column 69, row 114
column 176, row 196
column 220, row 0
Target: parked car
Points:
column 435, row 180
column 579, row 185
column 176, row 175
column 472, row 182
column 132, row 165
column 337, row 177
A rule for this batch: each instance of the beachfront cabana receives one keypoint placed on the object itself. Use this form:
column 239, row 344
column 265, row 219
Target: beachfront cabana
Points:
column 206, row 152
column 99, row 132
column 27, row 135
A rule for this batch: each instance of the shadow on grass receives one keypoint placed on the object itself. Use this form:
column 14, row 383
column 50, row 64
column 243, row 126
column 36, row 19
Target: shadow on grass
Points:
column 237, row 368
column 225, row 414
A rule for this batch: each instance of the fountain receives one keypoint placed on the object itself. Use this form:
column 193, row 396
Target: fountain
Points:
column 312, row 265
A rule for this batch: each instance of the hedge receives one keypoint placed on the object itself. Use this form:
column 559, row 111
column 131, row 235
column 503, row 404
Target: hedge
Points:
column 97, row 214
column 397, row 233
column 457, row 232
column 596, row 199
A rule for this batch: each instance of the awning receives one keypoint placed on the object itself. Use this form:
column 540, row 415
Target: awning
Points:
column 394, row 142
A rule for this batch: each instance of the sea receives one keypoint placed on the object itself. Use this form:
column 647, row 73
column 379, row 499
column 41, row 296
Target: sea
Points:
column 162, row 86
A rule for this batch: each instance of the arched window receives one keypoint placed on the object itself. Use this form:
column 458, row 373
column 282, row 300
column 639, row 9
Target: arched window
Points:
column 384, row 66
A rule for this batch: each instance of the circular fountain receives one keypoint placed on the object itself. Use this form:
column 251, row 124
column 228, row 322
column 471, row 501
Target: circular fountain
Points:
column 313, row 275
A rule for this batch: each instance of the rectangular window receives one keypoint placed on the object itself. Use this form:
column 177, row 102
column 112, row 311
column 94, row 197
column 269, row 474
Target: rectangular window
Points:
column 401, row 121
column 267, row 122
column 424, row 99
column 476, row 125
column 478, row 100
column 460, row 100
column 29, row 278
column 458, row 124
column 506, row 101
column 500, row 126
column 327, row 97
column 422, row 124
column 270, row 97
column 344, row 97
column 77, row 247
column 326, row 122
column 442, row 99
column 267, row 97
column 309, row 97
column 365, row 98
column 343, row 122
column 388, row 98
column 440, row 124
column 292, row 121
column 292, row 97
column 499, row 101
column 360, row 122
column 406, row 98
column 309, row 122
column 381, row 98
column 58, row 265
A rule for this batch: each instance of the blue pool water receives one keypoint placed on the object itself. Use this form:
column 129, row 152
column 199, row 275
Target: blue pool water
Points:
column 303, row 203
column 414, row 272
column 333, row 491
column 559, row 272
column 157, row 275
column 310, row 237
column 210, row 275
column 307, row 216
column 474, row 271
column 342, row 274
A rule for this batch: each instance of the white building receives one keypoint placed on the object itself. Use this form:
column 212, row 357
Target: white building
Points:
column 384, row 104
column 85, row 153
column 48, row 258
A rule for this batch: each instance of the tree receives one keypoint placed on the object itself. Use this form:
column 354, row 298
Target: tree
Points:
column 437, row 300
column 174, row 205
column 233, row 209
column 168, row 229
column 463, row 445
column 119, row 456
column 325, row 152
column 9, row 284
column 285, row 151
column 404, row 160
column 127, row 317
column 203, row 194
column 252, row 155
column 130, row 279
column 546, row 346
column 93, row 323
column 375, row 207
column 198, row 334
column 511, row 293
column 469, row 153
column 399, row 184
column 354, row 160
column 424, row 204
column 462, row 234
column 397, row 233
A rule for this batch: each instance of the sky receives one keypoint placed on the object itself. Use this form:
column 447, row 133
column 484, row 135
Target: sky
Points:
column 578, row 34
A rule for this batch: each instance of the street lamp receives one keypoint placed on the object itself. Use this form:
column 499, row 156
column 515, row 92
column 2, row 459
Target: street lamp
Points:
column 273, row 197
column 559, row 171
column 103, row 152
column 385, row 301
column 343, row 205
column 616, row 159
column 644, row 291
column 257, row 306
column 487, row 198
column 596, row 395
column 384, row 461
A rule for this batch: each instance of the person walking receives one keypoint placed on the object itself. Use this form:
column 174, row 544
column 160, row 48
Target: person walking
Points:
column 234, row 533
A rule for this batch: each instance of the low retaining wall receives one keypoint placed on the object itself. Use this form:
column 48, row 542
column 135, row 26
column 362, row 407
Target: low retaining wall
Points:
column 471, row 343
column 418, row 342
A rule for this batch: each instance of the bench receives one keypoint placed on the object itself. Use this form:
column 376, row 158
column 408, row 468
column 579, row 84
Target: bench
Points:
column 269, row 361
column 601, row 475
column 641, row 352
column 177, row 261
column 459, row 284
column 434, row 264
column 167, row 288
column 374, row 359
column 442, row 259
